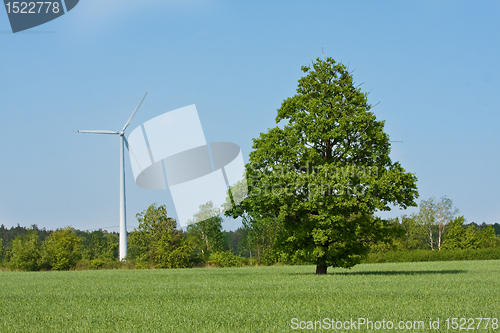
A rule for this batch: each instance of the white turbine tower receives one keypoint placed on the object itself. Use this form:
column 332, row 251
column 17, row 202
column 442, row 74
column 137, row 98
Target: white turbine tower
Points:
column 123, row 217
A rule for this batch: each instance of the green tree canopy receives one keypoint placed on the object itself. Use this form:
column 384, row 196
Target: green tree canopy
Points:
column 205, row 231
column 100, row 245
column 414, row 233
column 460, row 236
column 61, row 249
column 25, row 252
column 157, row 240
column 435, row 216
column 325, row 171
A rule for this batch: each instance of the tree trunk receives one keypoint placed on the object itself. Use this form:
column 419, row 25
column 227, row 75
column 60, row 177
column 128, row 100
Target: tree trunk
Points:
column 431, row 238
column 320, row 269
column 258, row 253
column 440, row 235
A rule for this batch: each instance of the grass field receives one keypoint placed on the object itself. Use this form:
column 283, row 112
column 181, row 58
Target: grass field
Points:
column 263, row 299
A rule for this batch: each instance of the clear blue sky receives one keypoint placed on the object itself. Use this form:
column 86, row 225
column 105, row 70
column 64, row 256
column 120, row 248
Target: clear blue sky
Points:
column 433, row 66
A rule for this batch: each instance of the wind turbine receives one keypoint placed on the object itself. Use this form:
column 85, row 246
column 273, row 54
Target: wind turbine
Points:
column 123, row 216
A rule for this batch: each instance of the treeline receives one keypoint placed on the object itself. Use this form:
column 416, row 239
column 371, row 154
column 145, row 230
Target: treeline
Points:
column 417, row 237
column 156, row 243
column 415, row 241
column 437, row 233
column 437, row 227
column 434, row 233
column 31, row 249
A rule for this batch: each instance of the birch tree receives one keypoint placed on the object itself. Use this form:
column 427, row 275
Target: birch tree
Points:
column 435, row 216
column 445, row 214
column 426, row 217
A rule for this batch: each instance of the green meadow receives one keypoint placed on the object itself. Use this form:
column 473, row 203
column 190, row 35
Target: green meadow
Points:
column 251, row 299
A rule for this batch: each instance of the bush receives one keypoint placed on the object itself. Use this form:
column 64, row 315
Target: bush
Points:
column 96, row 263
column 180, row 257
column 225, row 259
column 142, row 263
column 170, row 251
column 428, row 255
column 84, row 265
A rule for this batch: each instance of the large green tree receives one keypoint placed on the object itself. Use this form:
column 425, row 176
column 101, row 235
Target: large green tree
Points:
column 325, row 170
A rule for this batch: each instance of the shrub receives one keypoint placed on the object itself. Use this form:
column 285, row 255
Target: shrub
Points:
column 170, row 251
column 225, row 259
column 428, row 255
column 180, row 257
column 96, row 263
column 142, row 263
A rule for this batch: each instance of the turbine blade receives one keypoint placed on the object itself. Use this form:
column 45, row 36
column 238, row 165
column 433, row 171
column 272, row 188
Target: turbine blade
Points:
column 98, row 132
column 133, row 114
column 132, row 153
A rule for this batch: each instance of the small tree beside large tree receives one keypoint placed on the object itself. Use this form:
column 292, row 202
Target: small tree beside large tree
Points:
column 435, row 216
column 205, row 231
column 325, row 171
column 158, row 241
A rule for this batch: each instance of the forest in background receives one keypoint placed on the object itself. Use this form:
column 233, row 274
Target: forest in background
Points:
column 434, row 233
